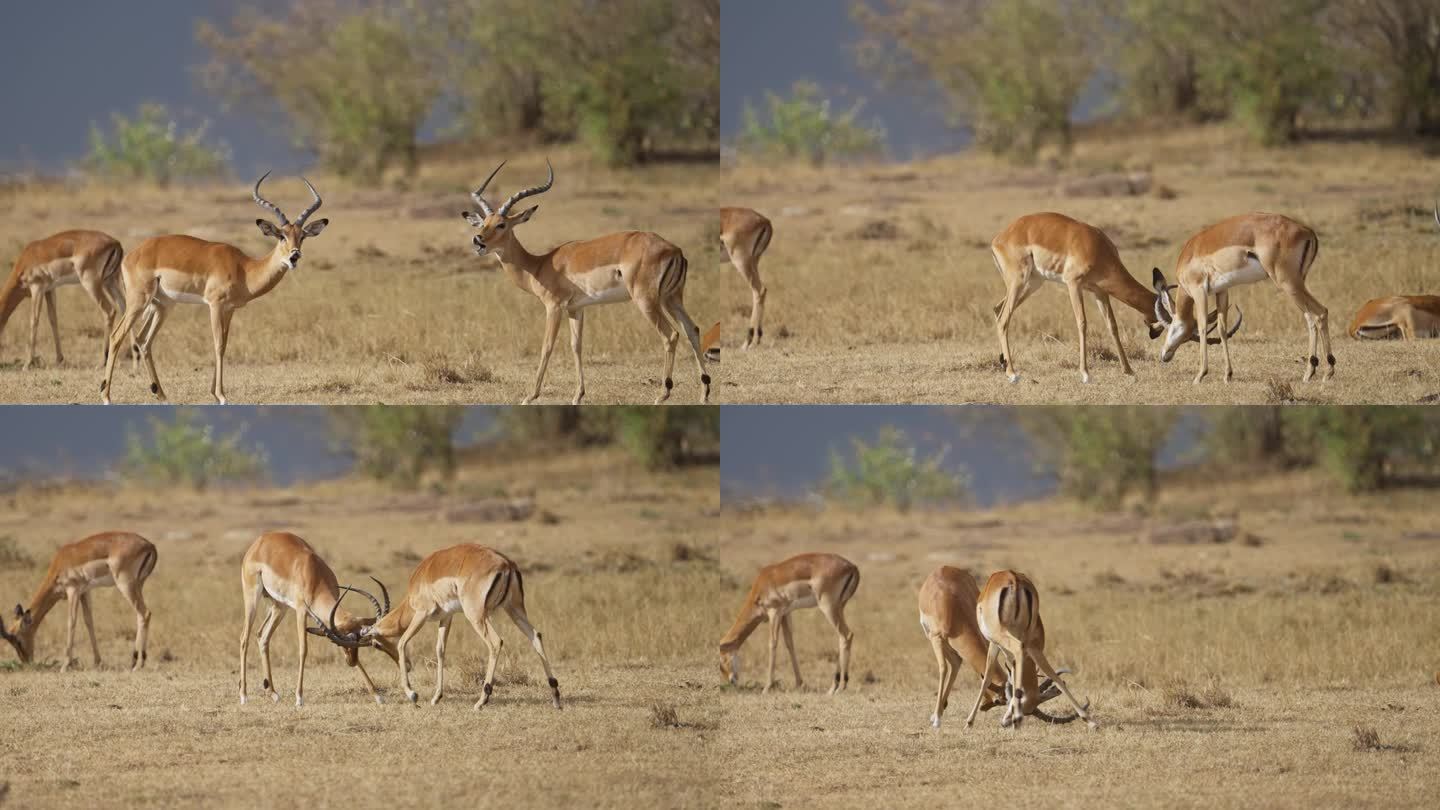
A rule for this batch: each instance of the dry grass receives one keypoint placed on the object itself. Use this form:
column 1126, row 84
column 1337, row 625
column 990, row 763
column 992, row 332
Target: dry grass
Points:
column 881, row 281
column 388, row 302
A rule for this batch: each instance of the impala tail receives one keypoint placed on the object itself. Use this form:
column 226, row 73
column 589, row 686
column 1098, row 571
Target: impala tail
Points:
column 709, row 341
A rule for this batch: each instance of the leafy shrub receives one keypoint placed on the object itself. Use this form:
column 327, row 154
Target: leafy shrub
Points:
column 186, row 452
column 889, row 473
column 151, row 147
column 1100, row 453
column 398, row 444
column 803, row 126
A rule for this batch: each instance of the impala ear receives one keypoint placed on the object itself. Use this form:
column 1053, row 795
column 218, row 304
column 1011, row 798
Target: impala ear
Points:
column 314, row 228
column 1157, row 280
column 473, row 218
column 19, row 611
column 524, row 216
column 268, row 228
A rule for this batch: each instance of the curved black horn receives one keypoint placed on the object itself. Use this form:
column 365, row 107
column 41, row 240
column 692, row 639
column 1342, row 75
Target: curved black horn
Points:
column 476, row 194
column 1229, row 333
column 384, row 592
column 314, row 206
column 1437, row 212
column 529, row 192
column 266, row 204
column 1055, row 720
column 367, row 595
column 327, row 629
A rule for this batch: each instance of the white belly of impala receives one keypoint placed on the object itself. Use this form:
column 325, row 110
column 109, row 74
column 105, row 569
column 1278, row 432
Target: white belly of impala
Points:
column 602, row 285
column 173, row 288
column 1248, row 272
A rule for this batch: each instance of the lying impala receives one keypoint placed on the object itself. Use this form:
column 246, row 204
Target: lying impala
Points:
column 121, row 559
column 88, row 258
column 1241, row 250
column 1037, row 248
column 469, row 579
column 285, row 572
column 634, row 266
column 168, row 270
column 826, row 581
column 948, row 599
column 1399, row 316
column 1008, row 612
column 745, row 234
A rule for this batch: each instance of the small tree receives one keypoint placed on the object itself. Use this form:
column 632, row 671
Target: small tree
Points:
column 398, row 444
column 152, row 147
column 804, row 127
column 1359, row 445
column 1392, row 50
column 186, row 452
column 1099, row 453
column 889, row 472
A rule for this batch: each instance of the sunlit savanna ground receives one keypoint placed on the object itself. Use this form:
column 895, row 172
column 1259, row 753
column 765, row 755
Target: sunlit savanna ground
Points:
column 881, row 283
column 389, row 304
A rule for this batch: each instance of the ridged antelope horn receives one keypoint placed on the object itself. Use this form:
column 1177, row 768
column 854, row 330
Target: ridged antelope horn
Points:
column 266, row 204
column 480, row 200
column 529, row 192
column 314, row 206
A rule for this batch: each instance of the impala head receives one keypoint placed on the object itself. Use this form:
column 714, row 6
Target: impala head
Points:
column 730, row 666
column 21, row 634
column 497, row 225
column 289, row 234
column 353, row 632
column 1177, row 313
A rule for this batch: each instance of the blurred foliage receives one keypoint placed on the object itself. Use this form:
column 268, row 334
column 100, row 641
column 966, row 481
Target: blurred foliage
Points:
column 354, row 80
column 888, row 472
column 1100, row 453
column 152, row 147
column 659, row 438
column 398, row 444
column 803, row 127
column 186, row 452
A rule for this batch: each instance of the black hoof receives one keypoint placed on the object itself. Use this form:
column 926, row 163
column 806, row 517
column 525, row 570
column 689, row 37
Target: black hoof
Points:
column 488, row 689
column 154, row 387
column 554, row 684
column 1314, row 361
column 1330, row 358
column 705, row 379
column 265, row 684
column 669, row 383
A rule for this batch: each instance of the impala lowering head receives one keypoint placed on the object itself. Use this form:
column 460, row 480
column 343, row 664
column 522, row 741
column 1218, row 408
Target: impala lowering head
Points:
column 23, row 637
column 353, row 636
column 290, row 235
column 730, row 667
column 497, row 224
column 1179, row 318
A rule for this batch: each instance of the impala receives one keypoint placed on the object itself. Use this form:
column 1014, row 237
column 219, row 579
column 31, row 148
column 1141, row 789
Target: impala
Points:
column 1053, row 247
column 1008, row 612
column 1241, row 250
column 634, row 266
column 121, row 559
column 948, row 599
column 826, row 581
column 88, row 258
column 285, row 572
column 469, row 579
column 745, row 234
column 1398, row 316
column 166, row 270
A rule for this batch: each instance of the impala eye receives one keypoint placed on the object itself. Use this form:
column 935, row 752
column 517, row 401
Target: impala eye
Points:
column 501, row 226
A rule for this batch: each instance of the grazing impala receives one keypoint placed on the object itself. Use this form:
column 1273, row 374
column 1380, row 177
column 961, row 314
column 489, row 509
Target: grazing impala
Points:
column 1241, row 250
column 1398, row 316
column 121, row 559
column 745, row 234
column 88, row 258
column 634, row 266
column 1053, row 247
column 948, row 599
column 469, row 579
column 166, row 270
column 826, row 581
column 1008, row 612
column 284, row 571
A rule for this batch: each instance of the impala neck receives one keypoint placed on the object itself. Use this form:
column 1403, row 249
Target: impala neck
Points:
column 750, row 618
column 10, row 297
column 45, row 597
column 1120, row 284
column 261, row 275
column 516, row 260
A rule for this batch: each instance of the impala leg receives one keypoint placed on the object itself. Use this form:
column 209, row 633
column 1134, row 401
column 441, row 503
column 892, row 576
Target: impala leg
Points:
column 774, row 628
column 101, row 296
column 552, row 330
column 267, row 629
column 492, row 640
column 1077, row 303
column 577, row 336
column 790, row 648
column 303, row 640
column 135, row 302
column 72, row 603
column 1038, row 655
column 131, row 590
column 252, row 601
column 1222, row 303
column 416, row 622
column 220, row 329
column 1002, row 325
column 692, row 333
column 90, row 627
column 834, row 610
column 1317, row 322
column 1202, row 318
column 749, row 268
column 991, row 666
column 668, row 337
column 54, row 326
column 37, row 295
column 440, row 633
column 369, row 684
column 943, row 660
column 517, row 615
column 155, row 316
column 1114, row 327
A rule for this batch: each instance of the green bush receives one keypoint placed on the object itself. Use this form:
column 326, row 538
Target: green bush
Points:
column 888, row 472
column 186, row 452
column 1361, row 445
column 804, row 127
column 152, row 147
column 1100, row 453
column 398, row 444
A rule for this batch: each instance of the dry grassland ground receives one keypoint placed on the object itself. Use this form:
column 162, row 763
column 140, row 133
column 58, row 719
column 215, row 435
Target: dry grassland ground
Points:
column 1228, row 675
column 881, row 284
column 390, row 304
